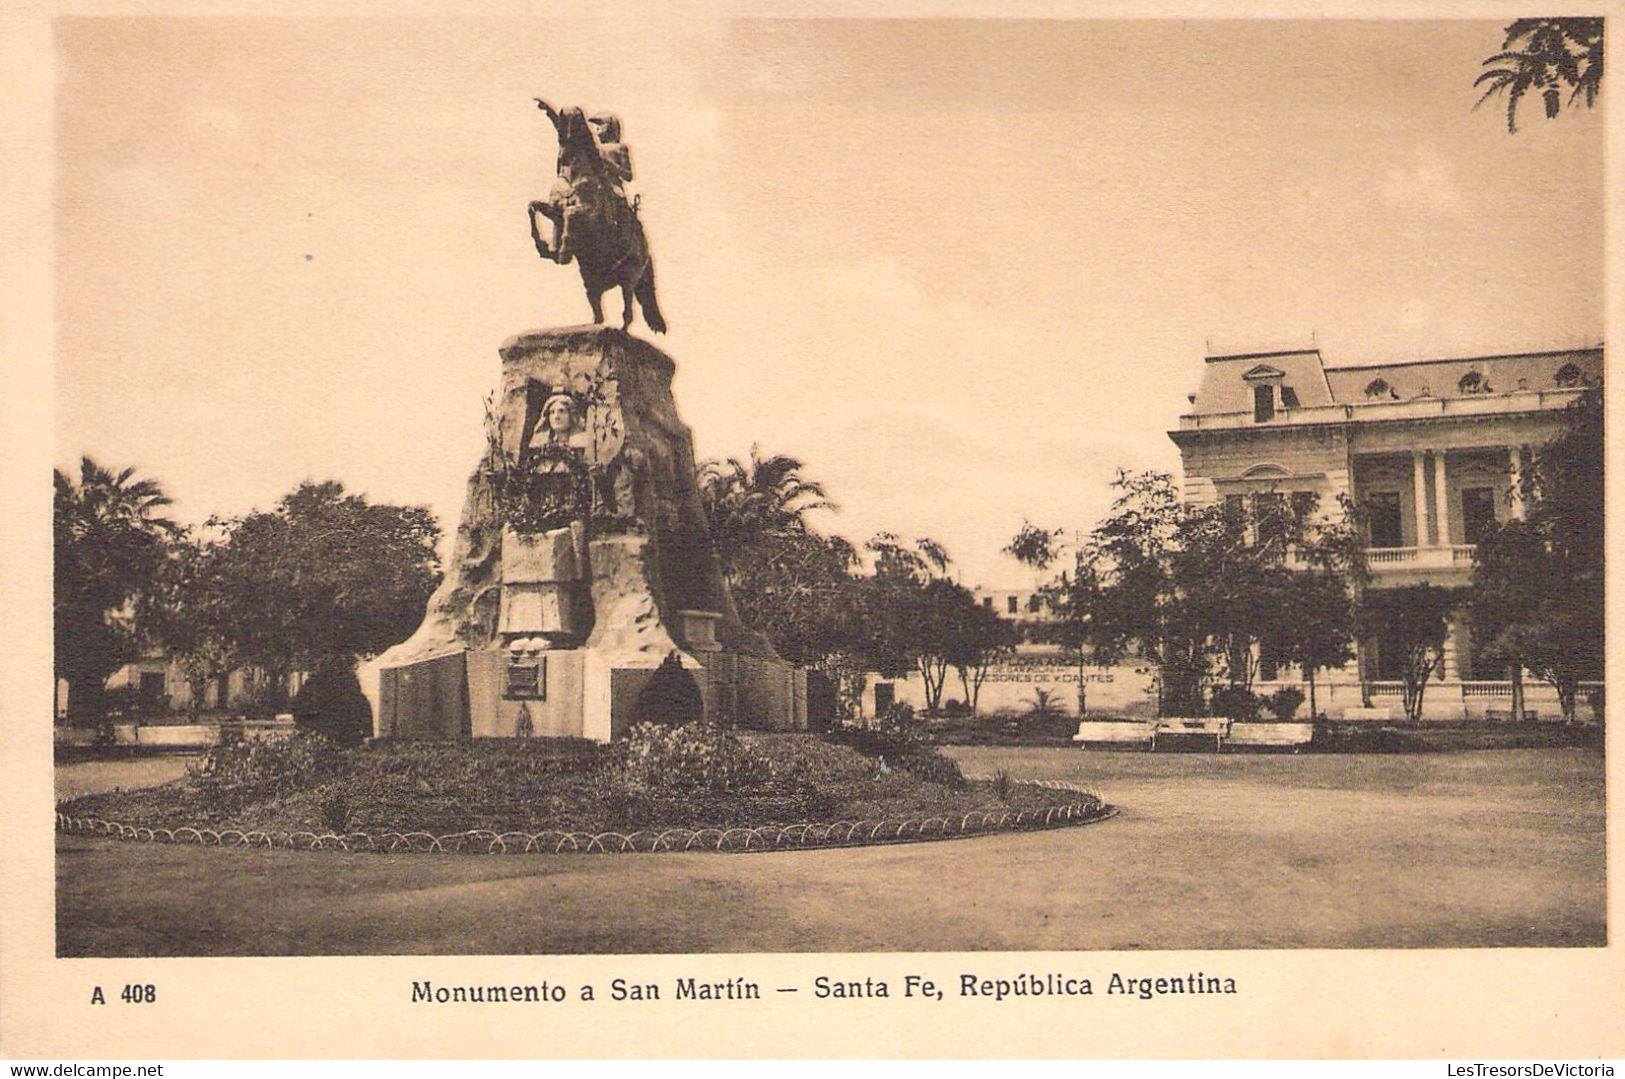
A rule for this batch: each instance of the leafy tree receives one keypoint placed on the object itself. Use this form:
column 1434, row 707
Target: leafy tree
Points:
column 1537, row 592
column 798, row 589
column 1546, row 56
column 790, row 582
column 1070, row 596
column 909, row 611
column 1317, row 631
column 1414, row 620
column 110, row 547
column 1315, row 626
column 191, row 621
column 978, row 637
column 750, row 503
column 1201, row 592
column 1139, row 607
column 325, row 575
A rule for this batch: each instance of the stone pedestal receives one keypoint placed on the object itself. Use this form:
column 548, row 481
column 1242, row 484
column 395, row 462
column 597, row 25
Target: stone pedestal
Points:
column 582, row 587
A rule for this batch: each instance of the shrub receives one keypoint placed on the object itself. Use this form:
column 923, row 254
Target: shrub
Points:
column 302, row 759
column 257, row 700
column 899, row 717
column 955, row 708
column 1236, row 703
column 331, row 703
column 1284, row 703
column 692, row 757
column 128, row 702
column 1001, row 785
column 905, row 749
column 1044, row 705
column 335, row 811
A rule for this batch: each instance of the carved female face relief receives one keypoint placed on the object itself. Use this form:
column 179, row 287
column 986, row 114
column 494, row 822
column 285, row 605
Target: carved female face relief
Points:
column 560, row 417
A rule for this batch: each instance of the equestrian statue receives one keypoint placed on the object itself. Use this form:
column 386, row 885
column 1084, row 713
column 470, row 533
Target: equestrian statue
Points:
column 593, row 221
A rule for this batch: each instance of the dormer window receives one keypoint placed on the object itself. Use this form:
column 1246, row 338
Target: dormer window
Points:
column 1379, row 390
column 1569, row 376
column 1264, row 380
column 1263, row 403
column 1473, row 383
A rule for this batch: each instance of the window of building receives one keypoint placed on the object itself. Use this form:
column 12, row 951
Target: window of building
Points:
column 1034, row 602
column 1569, row 376
column 1012, row 604
column 885, row 697
column 1389, row 662
column 1477, row 512
column 1263, row 403
column 1235, row 509
column 1378, row 389
column 987, row 601
column 1303, row 503
column 1382, row 518
column 152, row 685
column 1269, row 518
column 527, row 675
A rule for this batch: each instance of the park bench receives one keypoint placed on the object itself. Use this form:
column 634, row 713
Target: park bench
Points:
column 1214, row 727
column 1115, row 732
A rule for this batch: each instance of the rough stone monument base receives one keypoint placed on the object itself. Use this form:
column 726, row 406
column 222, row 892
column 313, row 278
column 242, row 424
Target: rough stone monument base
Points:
column 583, row 595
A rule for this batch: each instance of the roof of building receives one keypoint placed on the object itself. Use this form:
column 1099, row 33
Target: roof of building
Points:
column 1455, row 377
column 1227, row 388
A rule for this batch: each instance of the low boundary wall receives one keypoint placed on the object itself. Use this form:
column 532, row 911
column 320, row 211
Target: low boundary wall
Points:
column 841, row 833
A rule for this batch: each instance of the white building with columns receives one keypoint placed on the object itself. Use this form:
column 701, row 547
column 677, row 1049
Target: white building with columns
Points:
column 1428, row 448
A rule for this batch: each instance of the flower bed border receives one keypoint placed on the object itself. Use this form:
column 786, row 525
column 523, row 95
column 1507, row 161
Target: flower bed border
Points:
column 841, row 833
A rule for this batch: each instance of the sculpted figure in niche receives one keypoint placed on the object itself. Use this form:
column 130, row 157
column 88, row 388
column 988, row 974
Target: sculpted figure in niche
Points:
column 558, row 487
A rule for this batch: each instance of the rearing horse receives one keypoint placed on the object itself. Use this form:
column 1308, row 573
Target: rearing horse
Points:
column 594, row 224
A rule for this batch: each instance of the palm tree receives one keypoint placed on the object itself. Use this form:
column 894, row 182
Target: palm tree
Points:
column 110, row 547
column 1544, row 55
column 752, row 502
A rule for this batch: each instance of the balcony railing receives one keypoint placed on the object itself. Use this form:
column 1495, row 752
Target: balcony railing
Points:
column 1455, row 555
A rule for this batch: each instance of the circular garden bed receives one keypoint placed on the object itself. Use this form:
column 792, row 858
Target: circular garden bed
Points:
column 663, row 788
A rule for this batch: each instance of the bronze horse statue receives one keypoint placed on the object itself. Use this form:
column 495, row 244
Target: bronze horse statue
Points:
column 593, row 223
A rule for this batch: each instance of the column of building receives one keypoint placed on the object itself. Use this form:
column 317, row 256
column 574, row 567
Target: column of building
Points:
column 1419, row 463
column 1437, row 536
column 1515, row 470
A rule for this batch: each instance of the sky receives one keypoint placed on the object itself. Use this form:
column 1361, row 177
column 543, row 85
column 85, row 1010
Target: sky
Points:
column 965, row 270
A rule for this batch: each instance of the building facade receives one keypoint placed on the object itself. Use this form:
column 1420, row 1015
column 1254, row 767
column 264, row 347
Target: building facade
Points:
column 1429, row 449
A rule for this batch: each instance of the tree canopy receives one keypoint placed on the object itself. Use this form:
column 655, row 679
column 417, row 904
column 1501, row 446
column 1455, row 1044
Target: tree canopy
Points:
column 1415, row 620
column 1546, row 57
column 1201, row 592
column 750, row 503
column 110, row 548
column 1538, row 583
column 325, row 574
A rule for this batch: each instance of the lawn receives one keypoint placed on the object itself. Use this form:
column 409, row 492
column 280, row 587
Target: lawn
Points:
column 1473, row 849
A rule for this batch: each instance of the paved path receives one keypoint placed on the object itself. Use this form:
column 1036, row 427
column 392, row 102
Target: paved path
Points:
column 130, row 773
column 1456, row 850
